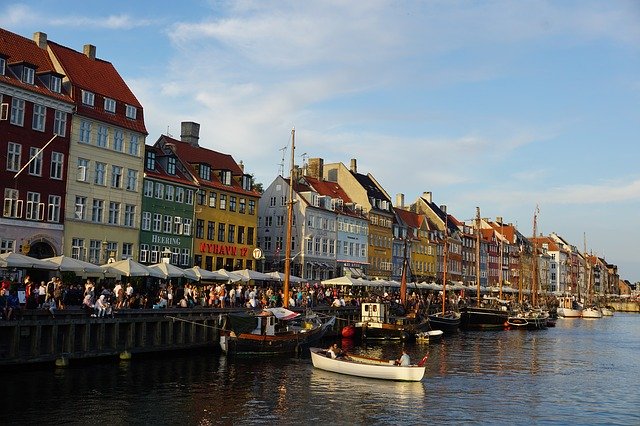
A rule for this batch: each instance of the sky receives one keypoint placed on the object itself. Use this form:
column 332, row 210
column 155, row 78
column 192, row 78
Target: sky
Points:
column 501, row 105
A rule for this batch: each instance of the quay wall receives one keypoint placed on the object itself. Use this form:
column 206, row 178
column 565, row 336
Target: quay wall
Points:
column 72, row 335
column 628, row 306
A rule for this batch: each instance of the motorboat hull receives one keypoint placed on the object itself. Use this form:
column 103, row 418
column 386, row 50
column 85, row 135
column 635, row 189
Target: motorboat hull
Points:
column 474, row 318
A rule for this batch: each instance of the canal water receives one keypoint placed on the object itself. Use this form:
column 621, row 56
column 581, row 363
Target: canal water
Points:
column 582, row 372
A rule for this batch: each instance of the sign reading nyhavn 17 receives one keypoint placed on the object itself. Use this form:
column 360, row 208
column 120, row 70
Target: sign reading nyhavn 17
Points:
column 223, row 249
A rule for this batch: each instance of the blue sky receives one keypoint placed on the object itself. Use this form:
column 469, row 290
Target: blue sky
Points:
column 496, row 104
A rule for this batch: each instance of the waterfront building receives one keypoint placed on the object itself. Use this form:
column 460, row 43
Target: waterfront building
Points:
column 169, row 188
column 226, row 205
column 102, row 212
column 559, row 266
column 369, row 196
column 468, row 253
column 413, row 229
column 35, row 125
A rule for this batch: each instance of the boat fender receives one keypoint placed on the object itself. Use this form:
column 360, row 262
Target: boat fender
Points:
column 423, row 360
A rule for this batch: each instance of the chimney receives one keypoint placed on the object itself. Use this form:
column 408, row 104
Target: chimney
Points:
column 41, row 39
column 427, row 196
column 354, row 165
column 315, row 168
column 190, row 133
column 89, row 51
column 241, row 164
column 499, row 219
column 443, row 208
column 400, row 201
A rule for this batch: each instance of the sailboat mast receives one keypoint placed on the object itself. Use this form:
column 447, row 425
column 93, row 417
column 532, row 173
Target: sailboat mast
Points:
column 444, row 269
column 287, row 251
column 501, row 261
column 534, row 284
column 478, row 255
column 403, row 280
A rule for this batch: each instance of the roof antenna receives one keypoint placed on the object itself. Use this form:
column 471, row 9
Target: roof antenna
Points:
column 281, row 164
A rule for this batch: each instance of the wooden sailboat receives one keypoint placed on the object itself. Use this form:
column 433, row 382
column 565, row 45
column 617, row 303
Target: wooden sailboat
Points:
column 274, row 330
column 591, row 310
column 482, row 316
column 448, row 321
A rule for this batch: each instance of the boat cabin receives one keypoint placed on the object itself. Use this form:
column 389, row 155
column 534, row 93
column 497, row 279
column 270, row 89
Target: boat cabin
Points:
column 374, row 312
column 266, row 325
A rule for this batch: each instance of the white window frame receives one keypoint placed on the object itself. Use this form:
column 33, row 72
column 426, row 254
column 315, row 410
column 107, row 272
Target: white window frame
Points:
column 118, row 140
column 6, row 245
column 55, row 84
column 17, row 112
column 109, row 105
column 148, row 188
column 131, row 112
column 179, row 194
column 186, row 226
column 100, row 174
column 145, row 223
column 116, row 176
column 169, row 191
column 81, row 208
column 57, row 165
column 144, row 253
column 35, row 209
column 129, row 215
column 114, row 213
column 60, row 123
column 88, row 98
column 77, row 248
column 102, row 138
column 53, row 213
column 157, row 222
column 12, row 203
column 85, row 132
column 83, row 170
column 132, row 180
column 97, row 211
column 35, row 166
column 3, row 66
column 134, row 145
column 14, row 156
column 39, row 117
column 28, row 75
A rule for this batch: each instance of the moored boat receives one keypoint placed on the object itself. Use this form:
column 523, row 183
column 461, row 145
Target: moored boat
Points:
column 528, row 320
column 591, row 312
column 361, row 366
column 569, row 307
column 429, row 336
column 607, row 311
column 378, row 323
column 448, row 322
column 482, row 318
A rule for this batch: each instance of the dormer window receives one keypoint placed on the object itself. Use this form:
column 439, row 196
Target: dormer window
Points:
column 131, row 112
column 205, row 172
column 55, row 84
column 171, row 165
column 225, row 177
column 246, row 182
column 3, row 65
column 109, row 105
column 87, row 98
column 28, row 74
column 150, row 161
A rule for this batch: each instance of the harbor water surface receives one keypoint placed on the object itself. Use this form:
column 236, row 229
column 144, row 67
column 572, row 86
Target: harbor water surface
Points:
column 580, row 372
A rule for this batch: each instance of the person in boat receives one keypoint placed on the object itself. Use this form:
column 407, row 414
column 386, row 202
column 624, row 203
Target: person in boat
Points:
column 335, row 352
column 404, row 360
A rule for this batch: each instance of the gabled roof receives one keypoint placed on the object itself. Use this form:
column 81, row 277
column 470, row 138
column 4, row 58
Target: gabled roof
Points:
column 161, row 173
column 372, row 189
column 101, row 78
column 18, row 49
column 409, row 218
column 328, row 188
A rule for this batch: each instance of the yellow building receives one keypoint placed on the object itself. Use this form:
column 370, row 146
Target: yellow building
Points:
column 226, row 206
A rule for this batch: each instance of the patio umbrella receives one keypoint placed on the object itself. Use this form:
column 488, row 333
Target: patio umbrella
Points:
column 197, row 273
column 232, row 276
column 17, row 260
column 275, row 275
column 131, row 268
column 248, row 274
column 77, row 266
column 170, row 271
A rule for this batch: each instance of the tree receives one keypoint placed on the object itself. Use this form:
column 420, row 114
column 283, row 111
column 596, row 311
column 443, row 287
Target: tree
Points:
column 256, row 186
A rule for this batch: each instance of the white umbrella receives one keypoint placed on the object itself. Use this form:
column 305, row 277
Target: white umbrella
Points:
column 275, row 275
column 17, row 260
column 248, row 274
column 232, row 276
column 203, row 274
column 170, row 271
column 344, row 281
column 131, row 268
column 79, row 267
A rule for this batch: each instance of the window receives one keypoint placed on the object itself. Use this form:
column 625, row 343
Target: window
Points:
column 35, row 209
column 55, row 84
column 177, row 225
column 116, row 177
column 171, row 165
column 131, row 112
column 60, row 123
column 179, row 195
column 246, row 182
column 53, row 215
column 94, row 251
column 252, row 207
column 87, row 98
column 148, row 188
column 169, row 191
column 109, row 105
column 185, row 256
column 100, row 176
column 145, row 224
column 225, row 177
column 280, row 221
column 157, row 222
column 272, row 201
column 186, row 226
column 159, row 190
column 167, row 224
column 205, row 172
column 221, row 232
column 200, row 228
column 240, row 234
column 103, row 137
column 57, row 161
column 112, row 249
column 81, row 208
column 267, row 243
column 150, row 160
column 144, row 252
column 202, row 197
column 35, row 167
column 17, row 112
column 83, row 166
column 39, row 116
column 85, row 131
column 134, row 145
column 7, row 246
column 189, row 199
column 12, row 203
column 3, row 64
column 212, row 199
column 114, row 213
column 211, row 229
column 13, row 157
column 127, row 250
column 132, row 180
column 154, row 254
column 268, row 221
column 242, row 206
column 77, row 248
column 129, row 215
column 223, row 201
column 250, row 235
column 232, row 203
column 118, row 140
column 231, row 235
column 28, row 75
column 97, row 211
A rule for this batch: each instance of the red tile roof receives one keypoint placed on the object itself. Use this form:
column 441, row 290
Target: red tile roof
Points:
column 161, row 173
column 327, row 188
column 410, row 218
column 18, row 49
column 101, row 78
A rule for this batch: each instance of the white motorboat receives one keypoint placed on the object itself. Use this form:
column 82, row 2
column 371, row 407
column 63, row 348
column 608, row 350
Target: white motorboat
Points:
column 569, row 307
column 429, row 336
column 607, row 311
column 591, row 313
column 361, row 366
